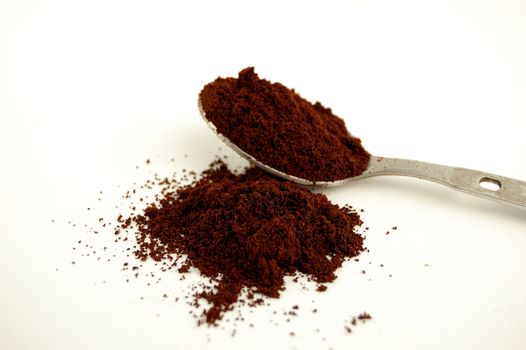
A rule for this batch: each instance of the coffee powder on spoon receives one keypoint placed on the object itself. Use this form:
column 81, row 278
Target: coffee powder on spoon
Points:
column 279, row 128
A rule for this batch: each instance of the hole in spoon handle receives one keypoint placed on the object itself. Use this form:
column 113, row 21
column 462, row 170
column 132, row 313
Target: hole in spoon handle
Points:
column 490, row 184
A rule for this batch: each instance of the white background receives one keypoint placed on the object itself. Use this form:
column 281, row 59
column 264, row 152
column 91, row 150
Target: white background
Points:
column 89, row 90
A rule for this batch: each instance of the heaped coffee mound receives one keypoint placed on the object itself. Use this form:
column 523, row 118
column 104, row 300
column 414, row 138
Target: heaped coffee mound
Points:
column 281, row 129
column 246, row 230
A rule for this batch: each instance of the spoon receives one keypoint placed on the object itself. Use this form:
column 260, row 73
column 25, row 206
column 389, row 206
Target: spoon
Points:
column 478, row 183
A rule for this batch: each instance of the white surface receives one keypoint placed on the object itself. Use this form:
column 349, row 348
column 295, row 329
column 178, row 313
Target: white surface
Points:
column 89, row 90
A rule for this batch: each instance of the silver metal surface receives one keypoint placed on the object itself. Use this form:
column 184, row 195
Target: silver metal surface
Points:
column 470, row 181
column 507, row 190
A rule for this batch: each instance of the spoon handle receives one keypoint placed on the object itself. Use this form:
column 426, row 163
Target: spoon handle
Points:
column 475, row 182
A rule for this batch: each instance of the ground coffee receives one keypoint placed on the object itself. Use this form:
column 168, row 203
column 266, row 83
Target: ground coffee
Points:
column 281, row 129
column 245, row 232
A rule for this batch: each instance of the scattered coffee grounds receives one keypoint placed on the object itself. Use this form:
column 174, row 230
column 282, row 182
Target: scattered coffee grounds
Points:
column 245, row 233
column 363, row 317
column 281, row 129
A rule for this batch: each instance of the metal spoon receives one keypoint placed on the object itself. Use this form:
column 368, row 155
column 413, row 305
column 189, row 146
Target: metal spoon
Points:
column 474, row 182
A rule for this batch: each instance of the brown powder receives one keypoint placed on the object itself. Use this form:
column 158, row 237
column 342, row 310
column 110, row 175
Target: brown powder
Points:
column 363, row 317
column 246, row 232
column 281, row 129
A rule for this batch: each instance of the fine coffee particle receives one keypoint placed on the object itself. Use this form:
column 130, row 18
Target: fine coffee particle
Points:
column 363, row 317
column 281, row 129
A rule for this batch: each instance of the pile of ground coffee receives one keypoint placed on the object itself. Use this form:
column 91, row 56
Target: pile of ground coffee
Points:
column 245, row 232
column 281, row 129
